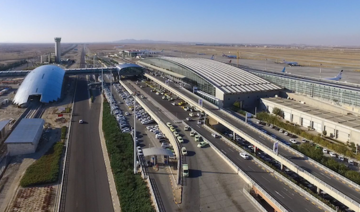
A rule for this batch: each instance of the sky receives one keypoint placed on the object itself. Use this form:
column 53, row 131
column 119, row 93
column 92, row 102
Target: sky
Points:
column 311, row 22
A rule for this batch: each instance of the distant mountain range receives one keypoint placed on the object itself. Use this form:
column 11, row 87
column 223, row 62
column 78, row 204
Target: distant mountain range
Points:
column 142, row 41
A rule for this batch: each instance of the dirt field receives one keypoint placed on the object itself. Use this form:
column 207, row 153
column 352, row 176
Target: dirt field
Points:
column 12, row 52
column 307, row 56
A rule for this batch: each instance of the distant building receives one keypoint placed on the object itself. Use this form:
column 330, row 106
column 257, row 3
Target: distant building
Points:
column 45, row 58
column 25, row 137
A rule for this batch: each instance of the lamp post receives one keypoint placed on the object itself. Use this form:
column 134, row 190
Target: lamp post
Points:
column 134, row 134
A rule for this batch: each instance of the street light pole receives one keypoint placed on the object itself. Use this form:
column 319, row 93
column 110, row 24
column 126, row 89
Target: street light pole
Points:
column 134, row 134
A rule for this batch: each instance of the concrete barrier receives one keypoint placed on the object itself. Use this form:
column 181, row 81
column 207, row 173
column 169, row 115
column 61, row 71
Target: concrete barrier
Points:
column 352, row 204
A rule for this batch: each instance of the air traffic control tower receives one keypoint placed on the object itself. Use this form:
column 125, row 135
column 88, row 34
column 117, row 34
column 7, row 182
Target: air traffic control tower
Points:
column 57, row 50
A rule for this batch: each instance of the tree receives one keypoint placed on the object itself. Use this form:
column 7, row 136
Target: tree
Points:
column 324, row 133
column 277, row 111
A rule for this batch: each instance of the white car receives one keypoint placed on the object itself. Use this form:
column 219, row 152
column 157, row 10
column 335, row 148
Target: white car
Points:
column 293, row 141
column 215, row 135
column 244, row 155
column 332, row 154
column 325, row 151
column 81, row 121
column 199, row 122
column 140, row 153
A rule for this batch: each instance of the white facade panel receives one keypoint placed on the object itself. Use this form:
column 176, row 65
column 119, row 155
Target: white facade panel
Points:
column 287, row 116
column 219, row 94
column 318, row 127
column 306, row 122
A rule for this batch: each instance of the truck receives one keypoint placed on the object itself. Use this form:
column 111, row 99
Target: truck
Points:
column 185, row 170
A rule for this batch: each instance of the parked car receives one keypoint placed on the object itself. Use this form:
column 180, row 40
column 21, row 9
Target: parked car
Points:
column 332, row 154
column 325, row 151
column 183, row 151
column 180, row 139
column 293, row 141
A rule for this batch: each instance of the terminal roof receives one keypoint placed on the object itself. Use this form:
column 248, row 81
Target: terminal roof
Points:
column 227, row 78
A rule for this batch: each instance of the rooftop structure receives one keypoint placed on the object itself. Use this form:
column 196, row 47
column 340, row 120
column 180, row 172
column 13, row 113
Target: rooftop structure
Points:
column 214, row 81
column 343, row 127
column 225, row 77
column 25, row 137
column 44, row 81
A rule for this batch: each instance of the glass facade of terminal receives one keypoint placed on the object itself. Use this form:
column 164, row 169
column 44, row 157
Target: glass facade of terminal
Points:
column 192, row 78
column 329, row 93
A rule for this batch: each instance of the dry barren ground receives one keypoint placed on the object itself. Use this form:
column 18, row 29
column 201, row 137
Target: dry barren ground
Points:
column 309, row 56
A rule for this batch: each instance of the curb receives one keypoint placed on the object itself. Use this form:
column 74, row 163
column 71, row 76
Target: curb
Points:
column 112, row 186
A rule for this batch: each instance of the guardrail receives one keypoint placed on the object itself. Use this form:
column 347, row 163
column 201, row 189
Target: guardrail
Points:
column 163, row 128
column 242, row 174
column 61, row 193
column 312, row 179
column 273, row 171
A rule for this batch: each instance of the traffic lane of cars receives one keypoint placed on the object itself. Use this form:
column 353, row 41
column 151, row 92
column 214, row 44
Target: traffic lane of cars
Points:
column 191, row 189
column 248, row 166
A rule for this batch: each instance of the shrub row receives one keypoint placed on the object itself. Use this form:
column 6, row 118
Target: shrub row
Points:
column 46, row 169
column 339, row 148
column 133, row 192
column 331, row 163
column 63, row 132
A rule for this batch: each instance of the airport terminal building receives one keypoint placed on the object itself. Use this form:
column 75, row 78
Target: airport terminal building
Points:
column 214, row 81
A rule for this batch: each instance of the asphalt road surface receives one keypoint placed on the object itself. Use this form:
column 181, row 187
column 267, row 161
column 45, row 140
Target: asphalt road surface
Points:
column 277, row 189
column 304, row 164
column 87, row 187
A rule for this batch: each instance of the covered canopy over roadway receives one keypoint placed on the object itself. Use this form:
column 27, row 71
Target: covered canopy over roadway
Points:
column 157, row 151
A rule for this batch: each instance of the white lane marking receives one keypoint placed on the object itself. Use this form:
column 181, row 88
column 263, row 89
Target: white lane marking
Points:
column 307, row 209
column 251, row 168
column 265, row 179
column 280, row 194
column 325, row 175
column 231, row 150
column 223, row 151
column 288, row 195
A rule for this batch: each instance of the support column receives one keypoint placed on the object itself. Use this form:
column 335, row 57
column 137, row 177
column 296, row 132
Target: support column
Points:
column 234, row 136
column 281, row 166
column 318, row 190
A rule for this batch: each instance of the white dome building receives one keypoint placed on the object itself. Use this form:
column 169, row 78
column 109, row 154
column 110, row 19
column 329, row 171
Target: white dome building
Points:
column 44, row 82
